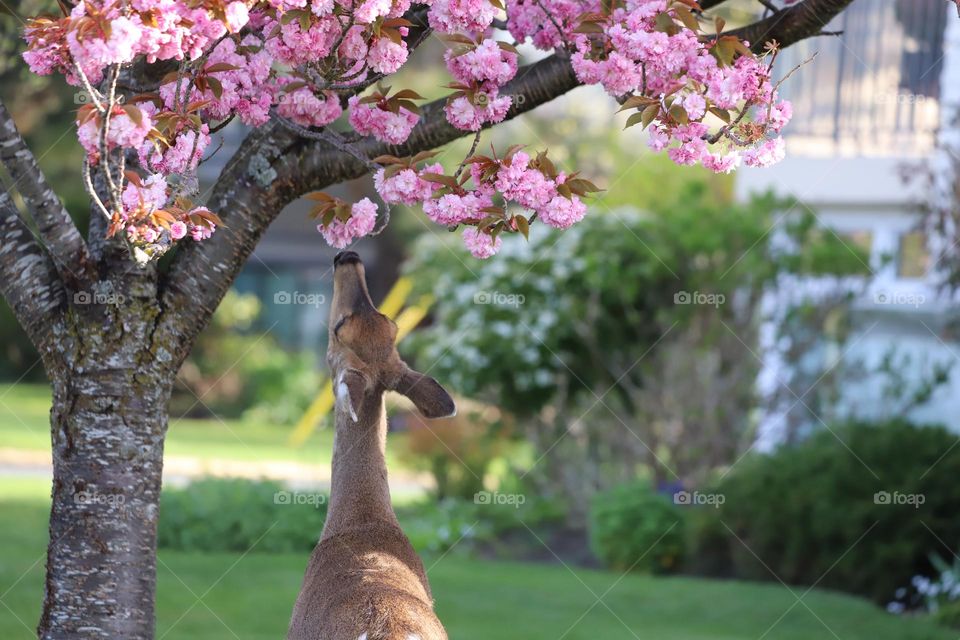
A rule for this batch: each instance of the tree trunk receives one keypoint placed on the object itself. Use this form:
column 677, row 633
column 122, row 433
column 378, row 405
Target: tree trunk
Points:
column 108, row 422
column 107, row 461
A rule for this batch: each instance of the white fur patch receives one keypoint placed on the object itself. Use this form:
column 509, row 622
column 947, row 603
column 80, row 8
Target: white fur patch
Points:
column 363, row 636
column 343, row 398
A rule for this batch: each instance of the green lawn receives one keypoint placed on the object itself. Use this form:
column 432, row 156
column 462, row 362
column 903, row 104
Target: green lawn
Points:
column 25, row 424
column 250, row 596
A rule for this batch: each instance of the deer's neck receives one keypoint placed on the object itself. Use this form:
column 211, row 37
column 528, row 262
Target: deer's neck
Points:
column 359, row 493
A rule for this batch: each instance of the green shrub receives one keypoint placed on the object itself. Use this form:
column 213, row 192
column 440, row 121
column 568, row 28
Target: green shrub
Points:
column 216, row 514
column 949, row 615
column 235, row 371
column 436, row 526
column 836, row 510
column 633, row 528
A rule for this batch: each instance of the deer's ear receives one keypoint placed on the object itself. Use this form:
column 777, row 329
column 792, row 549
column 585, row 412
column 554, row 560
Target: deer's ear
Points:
column 350, row 389
column 426, row 393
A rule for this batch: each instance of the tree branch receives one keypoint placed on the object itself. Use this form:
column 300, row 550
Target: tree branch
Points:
column 792, row 24
column 274, row 166
column 29, row 282
column 57, row 230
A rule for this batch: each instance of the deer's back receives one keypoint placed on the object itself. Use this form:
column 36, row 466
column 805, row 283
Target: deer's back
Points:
column 366, row 583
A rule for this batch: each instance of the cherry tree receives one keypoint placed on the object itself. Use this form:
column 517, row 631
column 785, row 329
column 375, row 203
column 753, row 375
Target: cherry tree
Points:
column 163, row 76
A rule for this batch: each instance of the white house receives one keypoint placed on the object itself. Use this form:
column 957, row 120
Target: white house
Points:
column 874, row 101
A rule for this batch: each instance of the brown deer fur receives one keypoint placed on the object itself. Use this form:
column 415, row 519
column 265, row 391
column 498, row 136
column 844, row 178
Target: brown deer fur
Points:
column 364, row 580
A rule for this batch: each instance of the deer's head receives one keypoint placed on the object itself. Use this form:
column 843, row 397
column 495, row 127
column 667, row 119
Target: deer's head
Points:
column 362, row 351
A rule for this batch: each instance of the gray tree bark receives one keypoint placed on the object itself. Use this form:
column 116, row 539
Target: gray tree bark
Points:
column 112, row 335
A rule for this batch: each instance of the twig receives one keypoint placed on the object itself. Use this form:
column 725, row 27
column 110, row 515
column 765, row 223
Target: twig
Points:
column 93, row 93
column 223, row 124
column 325, row 135
column 94, row 196
column 769, row 5
column 555, row 24
column 473, row 149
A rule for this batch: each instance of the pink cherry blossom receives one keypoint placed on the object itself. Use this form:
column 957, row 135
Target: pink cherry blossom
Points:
column 123, row 131
column 382, row 124
column 767, row 153
column 721, row 163
column 150, row 196
column 237, row 15
column 481, row 245
column 178, row 230
column 452, row 209
column 386, row 56
column 489, row 106
column 176, row 158
column 487, row 62
column 307, row 109
column 406, row 186
column 451, row 16
column 562, row 212
column 363, row 218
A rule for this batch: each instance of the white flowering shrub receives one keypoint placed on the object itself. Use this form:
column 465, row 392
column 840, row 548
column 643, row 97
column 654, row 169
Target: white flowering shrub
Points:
column 629, row 333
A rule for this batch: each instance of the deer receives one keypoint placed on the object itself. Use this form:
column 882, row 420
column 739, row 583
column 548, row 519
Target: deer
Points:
column 364, row 580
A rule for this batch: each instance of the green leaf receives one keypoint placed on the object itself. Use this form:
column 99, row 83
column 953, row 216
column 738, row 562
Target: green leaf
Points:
column 523, row 226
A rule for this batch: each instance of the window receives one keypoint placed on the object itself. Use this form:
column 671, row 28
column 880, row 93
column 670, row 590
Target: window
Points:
column 914, row 255
column 860, row 239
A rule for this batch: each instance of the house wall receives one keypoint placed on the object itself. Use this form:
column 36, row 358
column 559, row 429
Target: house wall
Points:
column 849, row 170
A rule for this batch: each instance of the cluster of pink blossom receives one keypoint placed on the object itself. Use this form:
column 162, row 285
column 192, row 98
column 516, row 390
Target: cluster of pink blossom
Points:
column 406, row 186
column 480, row 69
column 683, row 81
column 306, row 108
column 339, row 233
column 453, row 16
column 704, row 100
column 532, row 189
column 150, row 227
column 486, row 62
column 374, row 119
column 98, row 35
column 471, row 112
column 181, row 157
column 481, row 245
column 230, row 82
column 533, row 184
column 526, row 19
column 126, row 127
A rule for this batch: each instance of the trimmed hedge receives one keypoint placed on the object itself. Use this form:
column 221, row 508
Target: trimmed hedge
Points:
column 857, row 508
column 633, row 528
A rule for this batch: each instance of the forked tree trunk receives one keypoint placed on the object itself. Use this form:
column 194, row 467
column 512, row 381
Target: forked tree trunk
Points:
column 108, row 422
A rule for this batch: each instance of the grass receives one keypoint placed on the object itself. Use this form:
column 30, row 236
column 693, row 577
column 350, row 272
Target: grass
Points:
column 25, row 425
column 250, row 597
